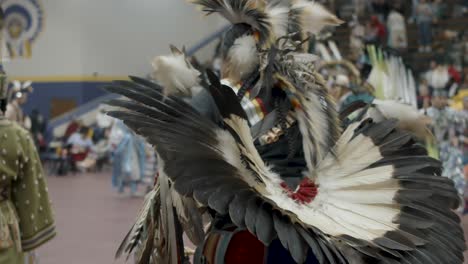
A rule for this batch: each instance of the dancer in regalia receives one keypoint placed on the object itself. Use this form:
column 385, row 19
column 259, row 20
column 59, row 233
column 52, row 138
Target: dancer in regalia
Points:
column 17, row 98
column 263, row 154
column 26, row 219
column 128, row 158
column 446, row 127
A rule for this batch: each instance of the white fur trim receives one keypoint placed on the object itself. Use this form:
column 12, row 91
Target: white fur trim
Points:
column 243, row 55
column 175, row 74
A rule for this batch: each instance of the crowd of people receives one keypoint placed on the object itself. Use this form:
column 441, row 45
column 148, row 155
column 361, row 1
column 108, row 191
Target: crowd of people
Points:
column 106, row 141
column 443, row 97
column 442, row 90
column 385, row 23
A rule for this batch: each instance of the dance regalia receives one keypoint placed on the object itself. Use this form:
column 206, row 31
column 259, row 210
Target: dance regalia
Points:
column 289, row 180
column 128, row 158
column 26, row 218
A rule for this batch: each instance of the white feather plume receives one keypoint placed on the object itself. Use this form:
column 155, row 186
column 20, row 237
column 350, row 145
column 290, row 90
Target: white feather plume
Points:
column 314, row 17
column 324, row 53
column 175, row 73
column 335, row 50
column 278, row 18
column 243, row 56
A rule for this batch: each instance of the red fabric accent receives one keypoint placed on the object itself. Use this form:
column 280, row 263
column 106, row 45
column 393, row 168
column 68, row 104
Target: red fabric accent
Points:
column 305, row 193
column 79, row 156
column 454, row 74
column 245, row 248
column 262, row 105
column 381, row 30
column 71, row 128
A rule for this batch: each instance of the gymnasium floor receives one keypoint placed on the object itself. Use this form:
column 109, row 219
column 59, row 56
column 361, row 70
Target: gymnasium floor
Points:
column 92, row 220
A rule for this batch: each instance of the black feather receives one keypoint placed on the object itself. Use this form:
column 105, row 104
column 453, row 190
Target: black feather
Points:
column 290, row 238
column 264, row 224
column 225, row 98
column 311, row 240
column 221, row 198
column 145, row 83
column 252, row 210
column 238, row 206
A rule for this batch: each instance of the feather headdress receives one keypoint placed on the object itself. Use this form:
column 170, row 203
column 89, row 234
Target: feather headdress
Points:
column 311, row 17
column 274, row 19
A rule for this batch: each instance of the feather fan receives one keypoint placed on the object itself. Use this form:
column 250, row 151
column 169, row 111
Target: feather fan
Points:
column 375, row 198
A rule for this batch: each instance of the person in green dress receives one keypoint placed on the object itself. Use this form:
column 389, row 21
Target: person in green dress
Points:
column 26, row 218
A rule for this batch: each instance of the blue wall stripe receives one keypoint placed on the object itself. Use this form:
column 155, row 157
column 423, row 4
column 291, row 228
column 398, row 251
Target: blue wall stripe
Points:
column 81, row 92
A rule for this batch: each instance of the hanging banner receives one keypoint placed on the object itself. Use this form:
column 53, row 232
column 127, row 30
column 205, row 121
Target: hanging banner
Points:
column 23, row 24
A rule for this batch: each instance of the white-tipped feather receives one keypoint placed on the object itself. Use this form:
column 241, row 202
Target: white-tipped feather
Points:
column 314, row 17
column 236, row 11
column 410, row 119
column 316, row 129
column 324, row 53
column 335, row 50
column 175, row 74
column 243, row 56
column 279, row 19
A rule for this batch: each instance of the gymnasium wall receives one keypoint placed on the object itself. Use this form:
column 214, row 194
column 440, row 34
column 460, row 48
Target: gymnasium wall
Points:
column 86, row 43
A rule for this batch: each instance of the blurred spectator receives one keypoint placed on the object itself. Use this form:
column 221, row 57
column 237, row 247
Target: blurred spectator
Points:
column 464, row 84
column 357, row 38
column 79, row 144
column 381, row 9
column 129, row 158
column 454, row 73
column 18, row 97
column 414, row 8
column 454, row 82
column 360, row 7
column 103, row 123
column 396, row 25
column 72, row 127
column 440, row 10
column 38, row 129
column 444, row 125
column 464, row 136
column 424, row 16
column 454, row 46
column 375, row 31
column 424, row 97
column 438, row 76
column 97, row 155
column 465, row 48
column 401, row 6
column 80, row 139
